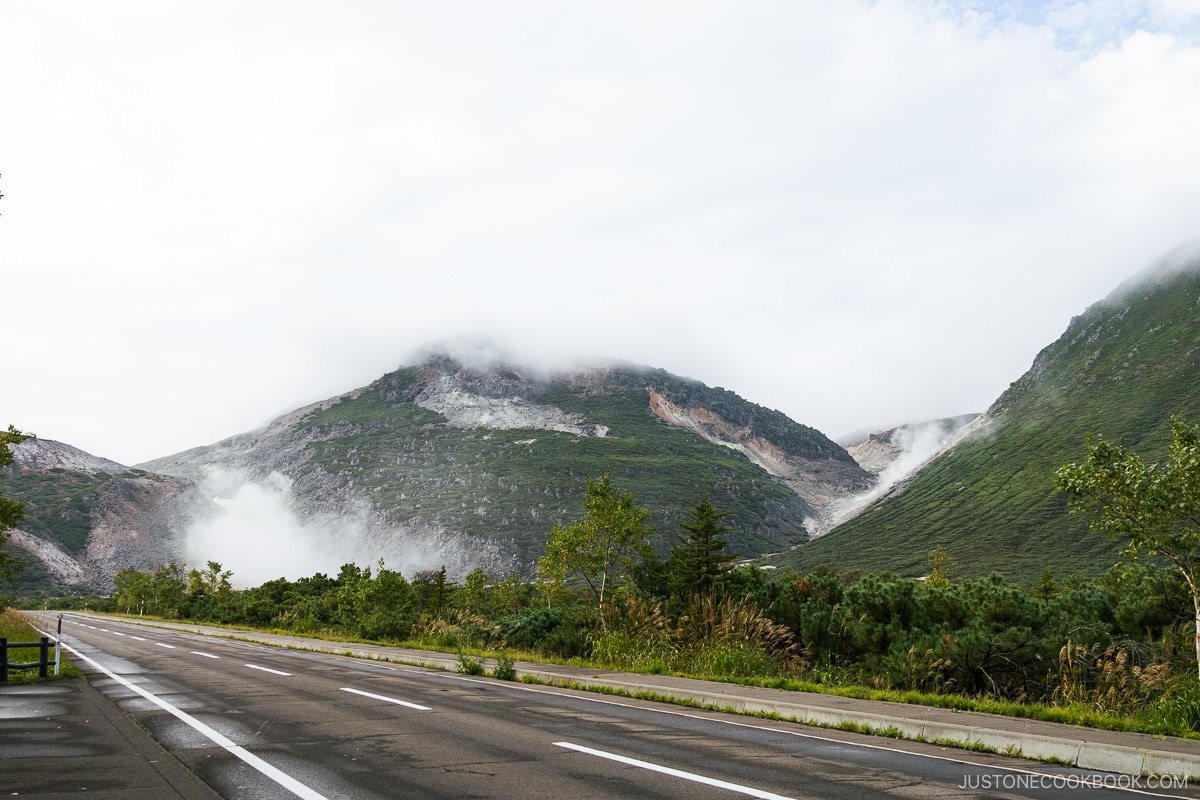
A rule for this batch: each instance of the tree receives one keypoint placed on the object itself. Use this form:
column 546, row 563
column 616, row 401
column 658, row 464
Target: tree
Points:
column 212, row 582
column 432, row 590
column 382, row 607
column 942, row 566
column 1155, row 507
column 11, row 511
column 699, row 560
column 474, row 595
column 603, row 546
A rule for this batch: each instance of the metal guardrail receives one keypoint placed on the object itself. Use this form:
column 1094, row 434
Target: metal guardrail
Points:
column 42, row 665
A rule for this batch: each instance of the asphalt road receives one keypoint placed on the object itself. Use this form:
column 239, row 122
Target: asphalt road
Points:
column 254, row 721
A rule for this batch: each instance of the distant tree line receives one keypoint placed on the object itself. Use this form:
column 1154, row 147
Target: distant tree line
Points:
column 1118, row 644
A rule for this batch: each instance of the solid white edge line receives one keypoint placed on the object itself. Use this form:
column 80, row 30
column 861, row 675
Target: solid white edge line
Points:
column 678, row 773
column 387, row 699
column 274, row 773
column 812, row 736
column 802, row 735
column 268, row 669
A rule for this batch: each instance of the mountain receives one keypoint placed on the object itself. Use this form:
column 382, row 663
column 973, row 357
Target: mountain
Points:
column 1120, row 370
column 473, row 465
column 86, row 518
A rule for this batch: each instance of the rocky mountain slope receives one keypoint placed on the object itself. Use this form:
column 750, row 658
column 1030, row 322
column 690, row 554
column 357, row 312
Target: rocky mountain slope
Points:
column 473, row 466
column 440, row 463
column 1120, row 370
column 87, row 518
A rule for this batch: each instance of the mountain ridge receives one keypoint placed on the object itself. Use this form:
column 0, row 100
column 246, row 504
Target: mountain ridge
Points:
column 1121, row 369
column 470, row 464
column 442, row 464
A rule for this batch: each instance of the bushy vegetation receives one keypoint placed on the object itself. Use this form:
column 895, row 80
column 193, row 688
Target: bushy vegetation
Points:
column 1115, row 650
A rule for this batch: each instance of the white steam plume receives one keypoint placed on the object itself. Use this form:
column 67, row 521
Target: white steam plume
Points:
column 259, row 536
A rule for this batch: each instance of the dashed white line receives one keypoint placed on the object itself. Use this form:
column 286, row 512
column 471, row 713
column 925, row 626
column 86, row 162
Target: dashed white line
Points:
column 387, row 699
column 206, row 655
column 678, row 773
column 168, row 646
column 140, row 639
column 268, row 669
column 116, row 633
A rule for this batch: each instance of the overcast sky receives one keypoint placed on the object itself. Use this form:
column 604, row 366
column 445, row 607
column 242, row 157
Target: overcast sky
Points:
column 857, row 213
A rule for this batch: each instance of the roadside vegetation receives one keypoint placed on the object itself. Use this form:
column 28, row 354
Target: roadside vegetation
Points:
column 1118, row 651
column 14, row 628
column 1114, row 652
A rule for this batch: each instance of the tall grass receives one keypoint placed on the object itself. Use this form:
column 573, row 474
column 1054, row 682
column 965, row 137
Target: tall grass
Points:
column 718, row 637
column 1110, row 679
column 14, row 628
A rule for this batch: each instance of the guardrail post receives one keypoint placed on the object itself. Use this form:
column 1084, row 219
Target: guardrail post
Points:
column 3, row 660
column 44, row 651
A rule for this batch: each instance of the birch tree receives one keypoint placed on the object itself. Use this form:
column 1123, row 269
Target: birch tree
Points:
column 1155, row 507
column 602, row 547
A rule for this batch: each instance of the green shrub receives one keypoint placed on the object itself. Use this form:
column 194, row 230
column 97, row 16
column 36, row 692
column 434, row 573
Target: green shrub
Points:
column 505, row 670
column 468, row 665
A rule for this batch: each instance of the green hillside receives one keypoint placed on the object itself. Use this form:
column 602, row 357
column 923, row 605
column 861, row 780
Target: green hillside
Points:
column 56, row 503
column 514, row 484
column 1120, row 371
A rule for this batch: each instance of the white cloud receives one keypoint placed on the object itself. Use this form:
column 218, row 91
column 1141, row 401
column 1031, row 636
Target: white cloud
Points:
column 857, row 213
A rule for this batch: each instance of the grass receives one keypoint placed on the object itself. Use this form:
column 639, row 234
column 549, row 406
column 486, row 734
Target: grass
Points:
column 14, row 628
column 1067, row 715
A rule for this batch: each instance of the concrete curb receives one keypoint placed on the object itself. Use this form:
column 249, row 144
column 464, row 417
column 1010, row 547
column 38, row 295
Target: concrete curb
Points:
column 1077, row 752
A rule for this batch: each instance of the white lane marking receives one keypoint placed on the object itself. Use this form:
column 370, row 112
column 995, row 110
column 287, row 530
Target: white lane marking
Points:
column 140, row 639
column 678, row 773
column 274, row 773
column 117, row 633
column 206, row 655
column 800, row 735
column 387, row 699
column 168, row 646
column 268, row 669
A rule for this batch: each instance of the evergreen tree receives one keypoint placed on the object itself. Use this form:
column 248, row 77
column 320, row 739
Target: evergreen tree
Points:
column 699, row 560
